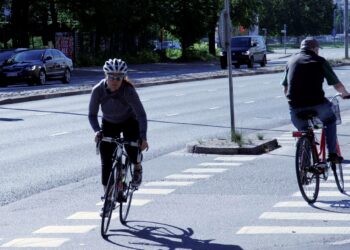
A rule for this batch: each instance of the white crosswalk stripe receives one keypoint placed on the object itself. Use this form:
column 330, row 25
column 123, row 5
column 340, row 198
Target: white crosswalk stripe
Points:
column 305, row 216
column 235, row 158
column 188, row 176
column 64, row 229
column 219, row 164
column 168, row 183
column 324, row 194
column 205, row 170
column 36, row 242
column 293, row 230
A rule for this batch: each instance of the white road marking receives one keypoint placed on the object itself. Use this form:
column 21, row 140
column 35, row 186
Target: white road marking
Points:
column 172, row 114
column 217, row 164
column 36, row 242
column 58, row 134
column 154, row 191
column 305, row 216
column 89, row 216
column 299, row 204
column 135, row 202
column 188, row 176
column 145, row 100
column 180, row 94
column 280, row 96
column 169, row 183
column 205, row 170
column 249, row 102
column 324, row 194
column 341, row 242
column 346, row 178
column 293, row 230
column 235, row 158
column 211, row 90
column 42, row 114
column 65, row 229
column 213, row 108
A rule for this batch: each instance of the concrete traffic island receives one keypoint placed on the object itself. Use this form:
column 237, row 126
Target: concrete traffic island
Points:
column 224, row 146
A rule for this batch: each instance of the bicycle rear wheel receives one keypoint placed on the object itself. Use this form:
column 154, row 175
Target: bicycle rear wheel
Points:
column 308, row 178
column 338, row 176
column 128, row 192
column 108, row 206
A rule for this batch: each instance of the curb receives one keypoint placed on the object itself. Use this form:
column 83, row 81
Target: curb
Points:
column 257, row 150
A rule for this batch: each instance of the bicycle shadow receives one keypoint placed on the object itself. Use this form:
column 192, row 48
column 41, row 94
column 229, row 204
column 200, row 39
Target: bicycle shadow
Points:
column 153, row 235
column 338, row 206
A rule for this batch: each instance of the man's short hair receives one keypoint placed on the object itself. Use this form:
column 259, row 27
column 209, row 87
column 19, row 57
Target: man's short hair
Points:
column 309, row 43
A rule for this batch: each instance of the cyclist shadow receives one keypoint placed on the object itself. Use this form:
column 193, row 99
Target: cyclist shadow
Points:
column 153, row 235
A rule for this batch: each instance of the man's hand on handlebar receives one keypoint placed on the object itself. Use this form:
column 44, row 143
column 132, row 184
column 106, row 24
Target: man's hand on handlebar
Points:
column 346, row 96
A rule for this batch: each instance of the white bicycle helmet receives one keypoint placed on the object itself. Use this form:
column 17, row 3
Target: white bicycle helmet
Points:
column 115, row 66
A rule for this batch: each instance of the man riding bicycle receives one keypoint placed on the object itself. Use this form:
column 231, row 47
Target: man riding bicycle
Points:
column 302, row 82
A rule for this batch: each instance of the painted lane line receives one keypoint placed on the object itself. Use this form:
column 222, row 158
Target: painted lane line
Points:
column 135, row 202
column 293, row 230
column 304, row 216
column 279, row 96
column 219, row 164
column 205, row 170
column 324, row 194
column 154, row 191
column 249, row 102
column 65, row 229
column 88, row 216
column 188, row 176
column 235, row 158
column 58, row 134
column 172, row 114
column 180, row 94
column 168, row 183
column 213, row 108
column 36, row 242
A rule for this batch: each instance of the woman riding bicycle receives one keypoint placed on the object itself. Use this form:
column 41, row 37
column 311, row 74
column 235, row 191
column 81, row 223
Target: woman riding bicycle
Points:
column 122, row 112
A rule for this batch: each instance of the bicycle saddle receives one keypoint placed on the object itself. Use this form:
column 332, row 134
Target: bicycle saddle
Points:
column 306, row 114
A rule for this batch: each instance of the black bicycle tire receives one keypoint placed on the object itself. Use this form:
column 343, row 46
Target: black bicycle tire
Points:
column 302, row 143
column 338, row 176
column 129, row 194
column 105, row 224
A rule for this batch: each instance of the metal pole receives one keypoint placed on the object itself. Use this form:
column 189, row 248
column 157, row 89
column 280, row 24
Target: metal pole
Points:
column 285, row 38
column 346, row 27
column 229, row 63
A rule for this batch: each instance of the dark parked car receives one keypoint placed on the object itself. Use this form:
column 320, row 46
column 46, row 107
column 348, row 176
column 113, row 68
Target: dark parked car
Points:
column 246, row 50
column 37, row 65
column 6, row 54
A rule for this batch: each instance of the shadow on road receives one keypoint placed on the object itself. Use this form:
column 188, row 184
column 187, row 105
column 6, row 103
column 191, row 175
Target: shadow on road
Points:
column 140, row 235
column 10, row 119
column 338, row 206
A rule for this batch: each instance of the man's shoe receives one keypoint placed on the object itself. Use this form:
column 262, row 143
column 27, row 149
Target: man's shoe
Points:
column 137, row 177
column 335, row 158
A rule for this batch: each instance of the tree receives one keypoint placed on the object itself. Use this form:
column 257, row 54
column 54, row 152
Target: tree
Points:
column 303, row 17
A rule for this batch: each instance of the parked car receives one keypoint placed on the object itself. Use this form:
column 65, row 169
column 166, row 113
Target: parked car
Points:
column 6, row 54
column 36, row 66
column 246, row 50
column 166, row 45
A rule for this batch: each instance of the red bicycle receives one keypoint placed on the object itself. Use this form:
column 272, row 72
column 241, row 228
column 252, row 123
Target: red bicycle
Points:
column 311, row 164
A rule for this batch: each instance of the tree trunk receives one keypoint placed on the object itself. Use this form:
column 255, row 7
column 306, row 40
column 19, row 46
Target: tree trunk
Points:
column 211, row 40
column 19, row 23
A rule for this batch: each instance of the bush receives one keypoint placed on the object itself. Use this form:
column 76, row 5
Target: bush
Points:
column 199, row 51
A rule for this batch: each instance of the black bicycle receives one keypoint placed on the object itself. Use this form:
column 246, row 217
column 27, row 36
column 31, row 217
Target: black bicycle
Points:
column 120, row 187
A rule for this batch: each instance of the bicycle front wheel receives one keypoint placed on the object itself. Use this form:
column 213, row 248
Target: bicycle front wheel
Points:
column 128, row 192
column 308, row 178
column 108, row 206
column 338, row 176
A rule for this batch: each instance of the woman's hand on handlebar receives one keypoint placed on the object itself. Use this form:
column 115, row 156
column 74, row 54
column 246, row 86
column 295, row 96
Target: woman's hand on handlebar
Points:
column 144, row 145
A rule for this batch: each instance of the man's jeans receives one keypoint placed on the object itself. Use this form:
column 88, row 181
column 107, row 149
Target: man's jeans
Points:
column 326, row 115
